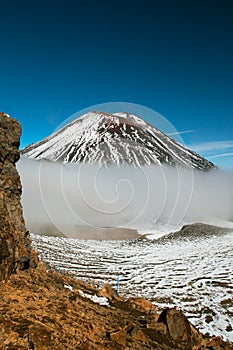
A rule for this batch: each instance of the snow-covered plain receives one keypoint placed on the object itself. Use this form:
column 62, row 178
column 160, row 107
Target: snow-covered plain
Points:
column 194, row 273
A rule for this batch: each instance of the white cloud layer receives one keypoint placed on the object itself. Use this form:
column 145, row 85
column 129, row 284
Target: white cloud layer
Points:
column 59, row 198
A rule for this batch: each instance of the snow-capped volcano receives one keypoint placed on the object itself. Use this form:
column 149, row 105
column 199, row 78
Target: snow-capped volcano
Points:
column 121, row 138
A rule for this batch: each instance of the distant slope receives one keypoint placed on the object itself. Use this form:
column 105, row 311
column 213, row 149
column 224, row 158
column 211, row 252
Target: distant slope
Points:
column 196, row 230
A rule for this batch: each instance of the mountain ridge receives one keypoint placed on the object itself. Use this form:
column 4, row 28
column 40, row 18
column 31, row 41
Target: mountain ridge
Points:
column 119, row 138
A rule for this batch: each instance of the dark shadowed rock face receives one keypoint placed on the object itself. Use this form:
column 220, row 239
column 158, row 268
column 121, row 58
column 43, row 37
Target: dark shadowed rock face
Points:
column 178, row 326
column 15, row 244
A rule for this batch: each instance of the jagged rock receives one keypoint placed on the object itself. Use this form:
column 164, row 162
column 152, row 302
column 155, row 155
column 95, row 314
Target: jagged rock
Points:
column 158, row 327
column 142, row 305
column 39, row 336
column 108, row 292
column 137, row 334
column 214, row 343
column 119, row 337
column 15, row 244
column 178, row 326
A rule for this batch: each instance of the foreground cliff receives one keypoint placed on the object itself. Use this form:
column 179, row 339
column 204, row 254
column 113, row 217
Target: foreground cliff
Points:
column 43, row 310
column 16, row 252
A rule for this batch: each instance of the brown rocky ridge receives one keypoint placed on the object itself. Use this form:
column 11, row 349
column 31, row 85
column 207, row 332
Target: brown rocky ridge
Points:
column 16, row 252
column 43, row 310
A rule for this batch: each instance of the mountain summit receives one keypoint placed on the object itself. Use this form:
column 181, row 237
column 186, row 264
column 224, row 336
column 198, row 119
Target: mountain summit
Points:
column 120, row 138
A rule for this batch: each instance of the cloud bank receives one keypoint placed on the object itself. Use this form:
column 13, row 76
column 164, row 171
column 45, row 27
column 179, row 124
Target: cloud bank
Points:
column 59, row 199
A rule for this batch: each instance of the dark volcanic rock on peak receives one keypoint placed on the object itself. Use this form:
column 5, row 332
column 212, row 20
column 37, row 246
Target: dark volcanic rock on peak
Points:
column 15, row 244
column 121, row 138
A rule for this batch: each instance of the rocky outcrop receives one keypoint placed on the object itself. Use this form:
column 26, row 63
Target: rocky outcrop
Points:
column 15, row 245
column 45, row 310
column 179, row 328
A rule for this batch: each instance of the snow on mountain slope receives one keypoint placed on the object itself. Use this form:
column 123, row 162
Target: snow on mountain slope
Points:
column 121, row 138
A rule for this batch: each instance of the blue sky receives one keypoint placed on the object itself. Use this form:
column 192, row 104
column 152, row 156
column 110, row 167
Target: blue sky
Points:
column 175, row 57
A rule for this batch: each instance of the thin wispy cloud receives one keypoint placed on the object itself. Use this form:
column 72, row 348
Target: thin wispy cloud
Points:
column 212, row 146
column 181, row 132
column 221, row 155
column 216, row 151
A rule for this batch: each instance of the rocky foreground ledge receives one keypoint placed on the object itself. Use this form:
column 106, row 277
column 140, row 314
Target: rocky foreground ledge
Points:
column 45, row 310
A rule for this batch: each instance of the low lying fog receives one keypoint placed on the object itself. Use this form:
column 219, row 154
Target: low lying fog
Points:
column 58, row 198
